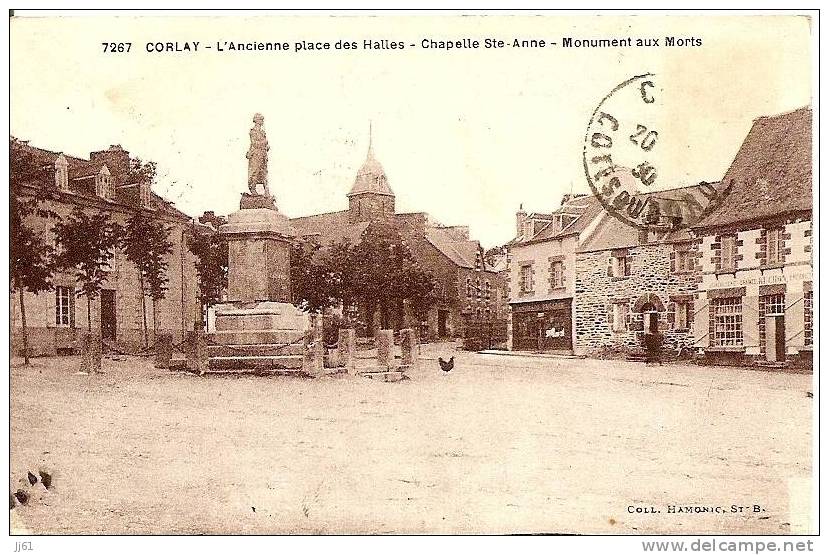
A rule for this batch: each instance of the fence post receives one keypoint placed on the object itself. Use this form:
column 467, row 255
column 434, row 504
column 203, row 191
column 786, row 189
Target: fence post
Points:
column 385, row 348
column 163, row 350
column 408, row 347
column 346, row 347
column 196, row 352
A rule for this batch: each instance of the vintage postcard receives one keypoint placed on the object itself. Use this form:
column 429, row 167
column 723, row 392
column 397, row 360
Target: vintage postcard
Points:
column 413, row 273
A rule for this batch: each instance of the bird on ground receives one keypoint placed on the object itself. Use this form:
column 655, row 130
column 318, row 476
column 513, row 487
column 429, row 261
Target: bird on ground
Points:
column 21, row 496
column 446, row 365
column 45, row 479
column 31, row 477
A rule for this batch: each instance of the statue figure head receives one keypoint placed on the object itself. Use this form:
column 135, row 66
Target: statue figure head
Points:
column 258, row 118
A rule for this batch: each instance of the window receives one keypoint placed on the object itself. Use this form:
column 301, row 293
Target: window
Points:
column 478, row 287
column 728, row 322
column 684, row 262
column 807, row 318
column 728, row 258
column 488, row 287
column 469, row 287
column 62, row 306
column 682, row 316
column 775, row 304
column 774, row 247
column 557, row 274
column 525, row 278
column 621, row 267
column 620, row 316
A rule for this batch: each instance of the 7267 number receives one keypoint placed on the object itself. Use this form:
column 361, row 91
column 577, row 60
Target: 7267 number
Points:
column 112, row 47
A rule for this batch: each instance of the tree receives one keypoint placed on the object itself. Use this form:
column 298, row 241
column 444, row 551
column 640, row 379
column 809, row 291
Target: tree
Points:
column 31, row 263
column 313, row 284
column 146, row 244
column 384, row 275
column 211, row 251
column 86, row 246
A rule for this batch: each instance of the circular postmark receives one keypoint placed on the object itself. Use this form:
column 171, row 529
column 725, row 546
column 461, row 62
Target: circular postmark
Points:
column 622, row 161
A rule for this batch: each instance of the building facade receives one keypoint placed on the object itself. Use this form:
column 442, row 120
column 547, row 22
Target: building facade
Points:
column 541, row 275
column 467, row 287
column 102, row 184
column 629, row 283
column 755, row 297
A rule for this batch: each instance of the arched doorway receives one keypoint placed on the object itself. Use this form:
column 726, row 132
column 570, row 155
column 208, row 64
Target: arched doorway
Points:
column 649, row 306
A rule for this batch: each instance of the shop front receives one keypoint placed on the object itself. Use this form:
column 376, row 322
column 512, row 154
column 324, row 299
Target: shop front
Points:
column 543, row 326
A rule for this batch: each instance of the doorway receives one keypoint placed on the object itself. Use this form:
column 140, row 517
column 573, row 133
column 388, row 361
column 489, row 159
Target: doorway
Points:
column 443, row 316
column 108, row 315
column 775, row 339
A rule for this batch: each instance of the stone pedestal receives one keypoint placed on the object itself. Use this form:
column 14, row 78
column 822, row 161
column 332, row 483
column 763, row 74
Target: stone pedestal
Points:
column 347, row 349
column 258, row 314
column 163, row 350
column 385, row 348
column 410, row 350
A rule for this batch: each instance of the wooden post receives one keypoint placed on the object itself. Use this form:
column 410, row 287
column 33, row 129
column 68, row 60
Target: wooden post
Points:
column 346, row 349
column 163, row 350
column 385, row 348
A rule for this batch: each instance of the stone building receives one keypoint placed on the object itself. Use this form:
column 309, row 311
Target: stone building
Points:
column 630, row 281
column 755, row 296
column 541, row 274
column 102, row 184
column 468, row 289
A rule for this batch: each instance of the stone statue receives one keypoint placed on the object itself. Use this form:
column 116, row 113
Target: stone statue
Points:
column 258, row 157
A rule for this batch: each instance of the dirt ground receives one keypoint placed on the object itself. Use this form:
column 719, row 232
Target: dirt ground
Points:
column 501, row 444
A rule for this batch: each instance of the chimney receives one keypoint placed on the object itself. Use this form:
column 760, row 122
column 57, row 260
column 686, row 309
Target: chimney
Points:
column 520, row 218
column 117, row 160
column 61, row 173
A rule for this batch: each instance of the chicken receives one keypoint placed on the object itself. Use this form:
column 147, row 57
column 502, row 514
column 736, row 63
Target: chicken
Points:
column 45, row 479
column 446, row 365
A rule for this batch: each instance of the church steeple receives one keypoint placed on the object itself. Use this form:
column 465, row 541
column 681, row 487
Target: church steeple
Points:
column 370, row 197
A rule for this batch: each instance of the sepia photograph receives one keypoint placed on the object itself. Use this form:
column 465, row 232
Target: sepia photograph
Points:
column 414, row 273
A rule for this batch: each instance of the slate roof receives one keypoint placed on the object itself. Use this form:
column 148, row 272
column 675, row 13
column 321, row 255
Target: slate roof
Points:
column 771, row 174
column 611, row 233
column 371, row 178
column 80, row 168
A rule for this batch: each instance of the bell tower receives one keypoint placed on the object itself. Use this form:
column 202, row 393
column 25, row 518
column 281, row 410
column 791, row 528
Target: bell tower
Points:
column 370, row 198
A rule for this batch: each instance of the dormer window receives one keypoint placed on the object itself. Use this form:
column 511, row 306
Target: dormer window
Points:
column 61, row 173
column 103, row 183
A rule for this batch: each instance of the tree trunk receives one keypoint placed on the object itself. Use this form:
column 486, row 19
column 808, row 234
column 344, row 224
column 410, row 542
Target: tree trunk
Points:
column 25, row 331
column 143, row 308
column 89, row 313
column 155, row 321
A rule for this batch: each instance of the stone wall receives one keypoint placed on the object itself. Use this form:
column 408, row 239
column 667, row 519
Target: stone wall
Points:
column 651, row 280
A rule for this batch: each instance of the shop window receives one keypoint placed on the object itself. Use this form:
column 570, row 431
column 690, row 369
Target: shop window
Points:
column 728, row 322
column 807, row 318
